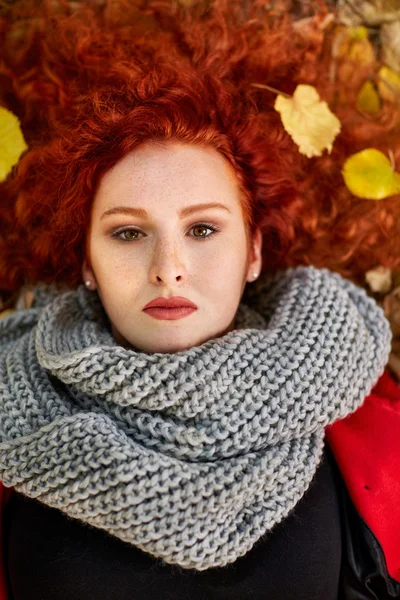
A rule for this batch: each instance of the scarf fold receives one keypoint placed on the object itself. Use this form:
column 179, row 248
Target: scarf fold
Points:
column 190, row 456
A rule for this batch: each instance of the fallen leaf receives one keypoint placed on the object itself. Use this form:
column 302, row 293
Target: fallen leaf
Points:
column 358, row 33
column 353, row 43
column 388, row 84
column 340, row 41
column 12, row 143
column 396, row 277
column 28, row 298
column 362, row 52
column 390, row 40
column 367, row 12
column 368, row 99
column 308, row 120
column 379, row 279
column 311, row 28
column 369, row 174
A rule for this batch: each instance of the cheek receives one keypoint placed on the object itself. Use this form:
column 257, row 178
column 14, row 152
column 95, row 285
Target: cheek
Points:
column 232, row 258
column 225, row 254
column 115, row 263
column 224, row 274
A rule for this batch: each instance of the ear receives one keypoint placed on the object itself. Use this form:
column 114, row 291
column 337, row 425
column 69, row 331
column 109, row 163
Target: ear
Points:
column 88, row 275
column 255, row 256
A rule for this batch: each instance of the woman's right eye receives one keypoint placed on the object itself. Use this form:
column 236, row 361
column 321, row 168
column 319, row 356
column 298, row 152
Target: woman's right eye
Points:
column 127, row 235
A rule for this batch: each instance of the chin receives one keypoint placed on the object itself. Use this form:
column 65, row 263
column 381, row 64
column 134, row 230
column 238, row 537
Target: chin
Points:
column 168, row 345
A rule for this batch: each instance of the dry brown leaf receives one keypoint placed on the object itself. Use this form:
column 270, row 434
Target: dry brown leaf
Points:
column 389, row 84
column 379, row 279
column 308, row 26
column 340, row 38
column 390, row 39
column 28, row 298
column 368, row 12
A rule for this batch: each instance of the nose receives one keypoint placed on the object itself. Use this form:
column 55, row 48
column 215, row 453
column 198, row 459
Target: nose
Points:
column 167, row 264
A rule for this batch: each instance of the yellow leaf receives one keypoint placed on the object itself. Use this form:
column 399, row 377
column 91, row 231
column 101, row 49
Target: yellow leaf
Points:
column 12, row 143
column 353, row 43
column 358, row 33
column 369, row 174
column 368, row 99
column 362, row 51
column 308, row 120
column 389, row 84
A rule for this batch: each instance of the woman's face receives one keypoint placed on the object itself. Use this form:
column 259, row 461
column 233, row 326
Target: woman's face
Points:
column 146, row 240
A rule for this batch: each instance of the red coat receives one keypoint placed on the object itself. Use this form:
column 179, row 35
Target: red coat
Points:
column 367, row 451
column 366, row 446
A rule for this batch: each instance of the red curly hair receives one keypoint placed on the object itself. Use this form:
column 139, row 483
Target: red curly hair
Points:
column 90, row 82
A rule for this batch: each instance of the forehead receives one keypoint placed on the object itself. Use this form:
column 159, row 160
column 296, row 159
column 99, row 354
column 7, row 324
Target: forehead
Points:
column 171, row 171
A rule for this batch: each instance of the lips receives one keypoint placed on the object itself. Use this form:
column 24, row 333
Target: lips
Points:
column 174, row 302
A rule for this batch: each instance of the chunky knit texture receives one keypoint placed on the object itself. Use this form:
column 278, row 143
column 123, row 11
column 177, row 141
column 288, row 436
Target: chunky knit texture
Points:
column 191, row 456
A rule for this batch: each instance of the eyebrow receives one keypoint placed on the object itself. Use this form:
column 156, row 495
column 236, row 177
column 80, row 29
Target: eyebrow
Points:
column 142, row 213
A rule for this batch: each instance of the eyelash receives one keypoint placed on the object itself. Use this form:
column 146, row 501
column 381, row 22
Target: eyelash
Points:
column 213, row 228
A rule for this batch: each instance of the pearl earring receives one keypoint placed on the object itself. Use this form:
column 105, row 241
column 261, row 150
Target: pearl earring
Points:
column 255, row 275
column 88, row 283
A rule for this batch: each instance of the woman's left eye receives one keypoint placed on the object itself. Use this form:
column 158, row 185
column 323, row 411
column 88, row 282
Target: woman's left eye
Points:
column 212, row 228
column 129, row 235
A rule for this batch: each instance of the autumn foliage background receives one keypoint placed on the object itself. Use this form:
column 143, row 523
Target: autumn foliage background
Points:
column 62, row 62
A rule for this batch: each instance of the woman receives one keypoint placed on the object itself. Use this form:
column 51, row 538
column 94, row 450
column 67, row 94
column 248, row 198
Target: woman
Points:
column 157, row 452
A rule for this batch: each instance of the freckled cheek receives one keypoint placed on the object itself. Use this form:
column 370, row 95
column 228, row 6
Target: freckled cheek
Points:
column 117, row 262
column 231, row 261
column 221, row 276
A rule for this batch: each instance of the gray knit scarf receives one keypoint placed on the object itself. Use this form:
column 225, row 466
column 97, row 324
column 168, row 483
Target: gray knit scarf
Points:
column 190, row 456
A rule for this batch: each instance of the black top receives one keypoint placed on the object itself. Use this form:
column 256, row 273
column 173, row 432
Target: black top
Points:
column 50, row 556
